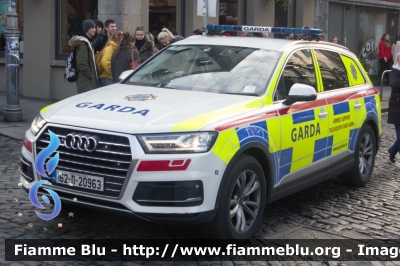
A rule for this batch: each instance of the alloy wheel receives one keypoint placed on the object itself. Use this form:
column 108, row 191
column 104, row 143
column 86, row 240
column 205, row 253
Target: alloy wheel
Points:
column 366, row 154
column 245, row 201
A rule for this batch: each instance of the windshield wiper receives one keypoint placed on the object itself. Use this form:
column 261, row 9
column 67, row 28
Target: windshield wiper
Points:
column 244, row 94
column 164, row 86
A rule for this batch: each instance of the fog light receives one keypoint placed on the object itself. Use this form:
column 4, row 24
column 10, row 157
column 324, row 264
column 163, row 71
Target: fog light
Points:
column 27, row 144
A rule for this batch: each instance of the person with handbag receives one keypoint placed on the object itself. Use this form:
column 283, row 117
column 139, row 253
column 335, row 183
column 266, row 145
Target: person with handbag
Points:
column 125, row 57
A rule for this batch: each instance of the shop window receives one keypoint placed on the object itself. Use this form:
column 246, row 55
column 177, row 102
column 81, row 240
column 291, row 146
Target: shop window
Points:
column 3, row 24
column 229, row 13
column 333, row 72
column 162, row 14
column 71, row 14
column 371, row 26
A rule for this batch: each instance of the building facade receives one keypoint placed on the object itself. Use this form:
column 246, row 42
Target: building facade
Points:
column 46, row 27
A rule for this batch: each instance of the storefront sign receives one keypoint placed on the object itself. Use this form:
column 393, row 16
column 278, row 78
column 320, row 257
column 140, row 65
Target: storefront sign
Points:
column 369, row 57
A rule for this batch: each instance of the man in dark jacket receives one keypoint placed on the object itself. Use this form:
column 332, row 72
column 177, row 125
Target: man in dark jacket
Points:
column 394, row 108
column 110, row 28
column 85, row 63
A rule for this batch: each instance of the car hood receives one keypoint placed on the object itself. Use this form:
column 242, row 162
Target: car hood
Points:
column 138, row 109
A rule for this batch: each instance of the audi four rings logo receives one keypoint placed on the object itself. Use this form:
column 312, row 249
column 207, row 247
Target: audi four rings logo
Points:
column 82, row 143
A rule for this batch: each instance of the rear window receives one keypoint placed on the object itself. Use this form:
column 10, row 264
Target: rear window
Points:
column 333, row 71
column 209, row 68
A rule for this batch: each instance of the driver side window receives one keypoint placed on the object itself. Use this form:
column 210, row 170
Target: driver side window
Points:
column 298, row 69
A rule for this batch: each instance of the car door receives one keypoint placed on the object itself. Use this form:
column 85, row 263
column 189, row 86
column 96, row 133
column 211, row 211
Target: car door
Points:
column 303, row 128
column 343, row 105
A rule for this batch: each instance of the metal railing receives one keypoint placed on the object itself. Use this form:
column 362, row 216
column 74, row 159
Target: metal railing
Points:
column 383, row 74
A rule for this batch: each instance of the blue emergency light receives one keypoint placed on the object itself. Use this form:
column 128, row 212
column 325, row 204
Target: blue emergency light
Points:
column 278, row 30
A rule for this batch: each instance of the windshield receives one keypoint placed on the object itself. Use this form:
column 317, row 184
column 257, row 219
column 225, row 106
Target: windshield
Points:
column 209, row 68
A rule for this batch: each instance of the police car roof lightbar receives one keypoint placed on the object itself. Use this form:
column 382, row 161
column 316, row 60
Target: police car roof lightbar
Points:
column 278, row 30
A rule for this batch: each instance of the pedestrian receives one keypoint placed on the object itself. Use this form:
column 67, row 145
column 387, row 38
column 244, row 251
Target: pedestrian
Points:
column 197, row 32
column 394, row 108
column 260, row 34
column 122, row 57
column 305, row 37
column 105, row 74
column 322, row 37
column 384, row 56
column 335, row 40
column 150, row 37
column 396, row 48
column 99, row 28
column 143, row 44
column 243, row 34
column 110, row 28
column 292, row 36
column 165, row 37
column 85, row 63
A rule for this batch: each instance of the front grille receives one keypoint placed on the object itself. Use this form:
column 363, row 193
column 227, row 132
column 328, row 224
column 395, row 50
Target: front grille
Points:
column 110, row 160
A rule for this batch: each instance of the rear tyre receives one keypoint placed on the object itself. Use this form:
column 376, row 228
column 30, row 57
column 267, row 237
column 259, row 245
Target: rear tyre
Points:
column 364, row 153
column 241, row 201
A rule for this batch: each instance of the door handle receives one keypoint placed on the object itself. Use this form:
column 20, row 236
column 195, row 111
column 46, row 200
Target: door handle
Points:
column 357, row 105
column 322, row 113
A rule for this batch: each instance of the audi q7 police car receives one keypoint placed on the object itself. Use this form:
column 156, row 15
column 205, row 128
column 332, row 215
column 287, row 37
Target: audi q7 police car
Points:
column 211, row 129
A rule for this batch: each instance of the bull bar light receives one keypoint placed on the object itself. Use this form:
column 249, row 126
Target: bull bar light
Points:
column 278, row 30
column 190, row 142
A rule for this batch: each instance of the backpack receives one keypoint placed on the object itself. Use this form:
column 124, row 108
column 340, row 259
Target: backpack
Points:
column 71, row 72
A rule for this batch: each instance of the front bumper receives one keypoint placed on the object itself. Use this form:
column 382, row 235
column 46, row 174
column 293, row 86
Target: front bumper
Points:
column 184, row 196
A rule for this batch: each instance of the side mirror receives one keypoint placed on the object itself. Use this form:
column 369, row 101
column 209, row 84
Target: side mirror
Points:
column 300, row 93
column 125, row 74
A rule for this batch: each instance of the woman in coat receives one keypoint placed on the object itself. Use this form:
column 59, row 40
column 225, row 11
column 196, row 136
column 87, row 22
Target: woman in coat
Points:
column 144, row 45
column 384, row 55
column 105, row 74
column 394, row 108
column 165, row 37
column 122, row 57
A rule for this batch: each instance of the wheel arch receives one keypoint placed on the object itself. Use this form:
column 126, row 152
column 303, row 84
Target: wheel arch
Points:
column 371, row 121
column 264, row 158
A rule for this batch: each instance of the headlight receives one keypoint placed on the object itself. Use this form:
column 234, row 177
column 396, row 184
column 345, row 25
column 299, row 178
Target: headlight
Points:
column 37, row 124
column 178, row 143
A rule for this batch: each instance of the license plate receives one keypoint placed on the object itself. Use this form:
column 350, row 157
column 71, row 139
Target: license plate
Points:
column 79, row 180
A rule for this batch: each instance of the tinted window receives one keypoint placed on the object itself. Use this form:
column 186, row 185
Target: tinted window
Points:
column 209, row 68
column 299, row 69
column 333, row 72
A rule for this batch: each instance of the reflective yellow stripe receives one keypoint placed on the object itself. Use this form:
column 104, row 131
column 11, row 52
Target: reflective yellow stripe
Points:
column 201, row 121
column 353, row 71
column 227, row 145
column 274, row 81
column 317, row 72
column 44, row 109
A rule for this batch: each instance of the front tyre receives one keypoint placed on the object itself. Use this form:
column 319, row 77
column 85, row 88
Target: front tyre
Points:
column 241, row 201
column 365, row 153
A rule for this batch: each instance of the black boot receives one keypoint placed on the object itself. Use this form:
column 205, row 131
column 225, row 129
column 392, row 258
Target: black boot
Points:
column 392, row 158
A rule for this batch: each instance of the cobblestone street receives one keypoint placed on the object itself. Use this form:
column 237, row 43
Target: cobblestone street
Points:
column 327, row 210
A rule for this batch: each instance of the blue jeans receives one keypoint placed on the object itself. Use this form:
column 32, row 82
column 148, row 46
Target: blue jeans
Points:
column 396, row 146
column 106, row 82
